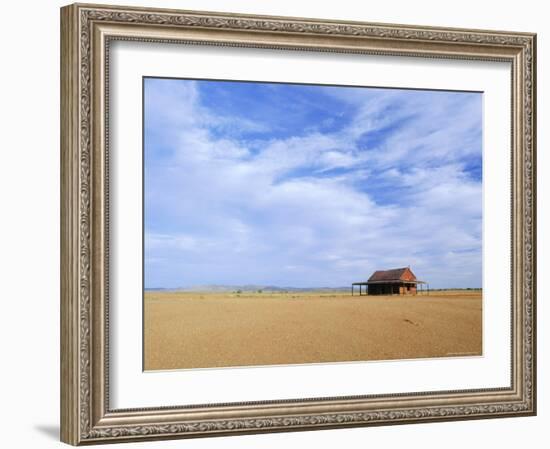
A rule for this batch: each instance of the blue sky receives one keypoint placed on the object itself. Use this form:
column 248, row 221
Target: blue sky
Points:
column 309, row 186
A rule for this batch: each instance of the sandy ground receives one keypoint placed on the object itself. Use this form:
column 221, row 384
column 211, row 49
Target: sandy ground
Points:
column 201, row 330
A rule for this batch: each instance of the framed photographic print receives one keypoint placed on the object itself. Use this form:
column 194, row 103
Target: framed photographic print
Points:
column 274, row 223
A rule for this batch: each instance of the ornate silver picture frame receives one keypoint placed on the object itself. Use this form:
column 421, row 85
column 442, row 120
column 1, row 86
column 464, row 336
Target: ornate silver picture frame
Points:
column 87, row 414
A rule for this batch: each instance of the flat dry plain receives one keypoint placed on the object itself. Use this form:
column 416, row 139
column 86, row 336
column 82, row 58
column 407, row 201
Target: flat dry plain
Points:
column 203, row 330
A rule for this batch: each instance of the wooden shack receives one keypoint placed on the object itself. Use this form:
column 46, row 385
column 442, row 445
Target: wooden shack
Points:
column 397, row 281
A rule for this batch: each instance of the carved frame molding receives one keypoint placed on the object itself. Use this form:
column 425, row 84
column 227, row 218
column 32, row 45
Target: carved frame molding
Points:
column 87, row 31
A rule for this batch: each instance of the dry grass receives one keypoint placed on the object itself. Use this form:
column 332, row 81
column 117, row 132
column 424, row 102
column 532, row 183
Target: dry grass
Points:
column 199, row 330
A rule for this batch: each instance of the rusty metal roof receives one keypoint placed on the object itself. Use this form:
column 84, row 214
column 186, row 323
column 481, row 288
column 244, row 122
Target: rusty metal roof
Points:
column 395, row 274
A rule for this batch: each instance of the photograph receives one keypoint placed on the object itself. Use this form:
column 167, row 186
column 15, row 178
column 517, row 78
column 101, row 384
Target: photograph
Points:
column 288, row 223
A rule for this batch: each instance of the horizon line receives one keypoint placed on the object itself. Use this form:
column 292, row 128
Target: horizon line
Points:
column 237, row 286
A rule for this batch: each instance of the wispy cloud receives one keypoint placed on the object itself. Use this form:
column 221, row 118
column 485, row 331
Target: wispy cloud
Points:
column 309, row 185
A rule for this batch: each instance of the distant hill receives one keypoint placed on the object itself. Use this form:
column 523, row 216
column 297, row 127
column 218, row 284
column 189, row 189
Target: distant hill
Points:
column 246, row 288
column 268, row 288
